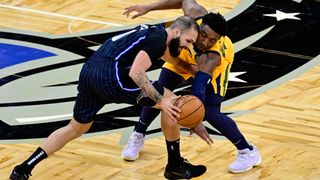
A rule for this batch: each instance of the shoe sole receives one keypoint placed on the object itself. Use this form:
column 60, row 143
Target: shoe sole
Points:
column 175, row 177
column 256, row 164
column 130, row 158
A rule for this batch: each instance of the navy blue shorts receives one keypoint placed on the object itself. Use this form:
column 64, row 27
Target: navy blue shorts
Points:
column 99, row 85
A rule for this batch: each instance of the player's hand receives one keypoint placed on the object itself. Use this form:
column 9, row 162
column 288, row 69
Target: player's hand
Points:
column 202, row 132
column 194, row 68
column 168, row 107
column 140, row 9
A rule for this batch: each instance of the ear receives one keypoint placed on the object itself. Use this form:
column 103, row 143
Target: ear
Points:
column 177, row 32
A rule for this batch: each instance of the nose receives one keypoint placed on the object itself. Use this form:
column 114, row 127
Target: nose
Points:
column 204, row 42
column 189, row 45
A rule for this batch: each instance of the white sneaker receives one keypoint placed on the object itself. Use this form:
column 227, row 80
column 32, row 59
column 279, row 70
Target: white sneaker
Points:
column 246, row 160
column 134, row 146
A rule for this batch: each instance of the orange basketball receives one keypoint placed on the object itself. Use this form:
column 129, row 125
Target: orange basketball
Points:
column 192, row 111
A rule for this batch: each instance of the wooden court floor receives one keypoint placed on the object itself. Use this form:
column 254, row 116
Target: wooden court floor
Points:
column 284, row 121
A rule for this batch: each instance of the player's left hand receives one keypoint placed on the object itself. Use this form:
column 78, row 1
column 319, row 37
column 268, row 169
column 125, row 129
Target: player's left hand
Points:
column 202, row 132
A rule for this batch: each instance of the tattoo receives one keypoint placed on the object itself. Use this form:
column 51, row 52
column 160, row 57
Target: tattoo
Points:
column 143, row 82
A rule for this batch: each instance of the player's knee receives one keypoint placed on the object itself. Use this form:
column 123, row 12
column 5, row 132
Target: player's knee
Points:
column 167, row 122
column 77, row 129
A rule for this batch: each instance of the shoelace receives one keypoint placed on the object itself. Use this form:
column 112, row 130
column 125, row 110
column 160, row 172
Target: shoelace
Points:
column 242, row 157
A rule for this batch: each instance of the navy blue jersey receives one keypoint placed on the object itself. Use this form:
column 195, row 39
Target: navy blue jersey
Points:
column 104, row 78
column 123, row 48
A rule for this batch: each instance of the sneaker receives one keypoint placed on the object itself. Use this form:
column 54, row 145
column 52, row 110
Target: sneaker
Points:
column 134, row 146
column 184, row 171
column 18, row 174
column 246, row 160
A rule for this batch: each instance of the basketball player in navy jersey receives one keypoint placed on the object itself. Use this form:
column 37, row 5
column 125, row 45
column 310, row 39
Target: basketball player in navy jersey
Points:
column 116, row 73
column 216, row 53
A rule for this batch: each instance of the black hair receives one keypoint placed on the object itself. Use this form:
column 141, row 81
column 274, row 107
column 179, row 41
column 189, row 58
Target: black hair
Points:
column 216, row 22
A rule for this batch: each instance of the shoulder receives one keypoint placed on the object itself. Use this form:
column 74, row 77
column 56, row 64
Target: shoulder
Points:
column 157, row 32
column 226, row 39
column 224, row 42
column 157, row 35
column 227, row 43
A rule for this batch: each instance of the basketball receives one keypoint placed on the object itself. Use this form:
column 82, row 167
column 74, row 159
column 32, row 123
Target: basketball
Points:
column 192, row 111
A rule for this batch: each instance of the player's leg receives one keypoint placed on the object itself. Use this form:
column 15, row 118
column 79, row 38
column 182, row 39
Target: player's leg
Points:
column 177, row 167
column 62, row 136
column 86, row 107
column 167, row 79
column 53, row 143
column 248, row 155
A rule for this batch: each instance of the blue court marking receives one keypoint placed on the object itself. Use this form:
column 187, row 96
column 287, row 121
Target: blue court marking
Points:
column 14, row 54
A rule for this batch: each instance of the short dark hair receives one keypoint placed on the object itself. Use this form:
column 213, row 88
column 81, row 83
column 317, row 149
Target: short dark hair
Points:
column 185, row 23
column 216, row 22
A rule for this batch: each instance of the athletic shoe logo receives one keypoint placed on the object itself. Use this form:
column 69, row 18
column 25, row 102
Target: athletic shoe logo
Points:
column 185, row 174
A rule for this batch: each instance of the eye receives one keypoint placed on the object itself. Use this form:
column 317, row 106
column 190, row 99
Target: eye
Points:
column 189, row 41
column 203, row 34
column 213, row 41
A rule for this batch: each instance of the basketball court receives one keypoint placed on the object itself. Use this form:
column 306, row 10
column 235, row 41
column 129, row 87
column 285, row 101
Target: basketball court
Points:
column 273, row 95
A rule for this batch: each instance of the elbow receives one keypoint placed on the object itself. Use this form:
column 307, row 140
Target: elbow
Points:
column 136, row 75
column 133, row 75
column 195, row 11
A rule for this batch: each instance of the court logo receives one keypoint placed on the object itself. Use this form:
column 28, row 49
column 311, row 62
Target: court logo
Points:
column 39, row 72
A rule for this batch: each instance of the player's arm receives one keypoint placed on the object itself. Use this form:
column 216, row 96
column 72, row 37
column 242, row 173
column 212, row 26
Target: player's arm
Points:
column 207, row 62
column 193, row 9
column 160, row 5
column 179, row 63
column 151, row 48
column 138, row 74
column 190, row 8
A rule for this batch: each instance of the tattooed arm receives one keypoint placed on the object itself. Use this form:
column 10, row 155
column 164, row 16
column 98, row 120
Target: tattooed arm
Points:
column 138, row 74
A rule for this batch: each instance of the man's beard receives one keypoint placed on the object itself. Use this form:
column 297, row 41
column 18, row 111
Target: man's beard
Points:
column 174, row 46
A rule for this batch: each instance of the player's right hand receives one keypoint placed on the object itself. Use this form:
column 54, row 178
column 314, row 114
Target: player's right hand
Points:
column 167, row 106
column 202, row 132
column 140, row 9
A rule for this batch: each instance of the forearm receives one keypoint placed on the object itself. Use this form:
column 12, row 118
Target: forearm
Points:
column 193, row 9
column 179, row 63
column 187, row 67
column 142, row 80
column 165, row 4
